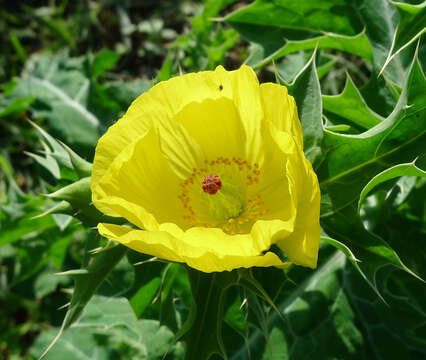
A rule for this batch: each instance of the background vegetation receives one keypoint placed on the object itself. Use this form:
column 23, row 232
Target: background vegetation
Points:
column 73, row 67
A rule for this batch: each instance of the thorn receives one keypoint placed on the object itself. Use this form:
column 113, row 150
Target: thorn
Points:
column 45, row 147
column 62, row 207
column 110, row 244
column 146, row 261
column 63, row 306
column 277, row 76
column 216, row 19
column 180, row 69
column 72, row 273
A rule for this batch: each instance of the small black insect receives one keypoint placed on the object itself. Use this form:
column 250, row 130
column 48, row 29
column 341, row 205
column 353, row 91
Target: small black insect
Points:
column 220, row 87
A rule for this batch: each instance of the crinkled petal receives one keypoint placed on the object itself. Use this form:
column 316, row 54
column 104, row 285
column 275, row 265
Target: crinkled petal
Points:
column 156, row 243
column 164, row 245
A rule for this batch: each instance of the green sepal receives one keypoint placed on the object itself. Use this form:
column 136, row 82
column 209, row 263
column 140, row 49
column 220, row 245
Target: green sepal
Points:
column 59, row 159
column 79, row 196
column 82, row 167
column 62, row 207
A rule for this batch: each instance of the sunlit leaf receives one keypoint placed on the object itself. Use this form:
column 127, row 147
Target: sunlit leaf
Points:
column 409, row 169
column 349, row 107
column 283, row 27
column 307, row 93
column 410, row 28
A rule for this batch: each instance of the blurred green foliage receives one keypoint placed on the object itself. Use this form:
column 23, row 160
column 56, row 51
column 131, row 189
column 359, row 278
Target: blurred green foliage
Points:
column 73, row 67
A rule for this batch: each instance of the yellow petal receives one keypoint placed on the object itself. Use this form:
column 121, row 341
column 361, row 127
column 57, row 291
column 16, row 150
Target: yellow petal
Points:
column 156, row 243
column 273, row 185
column 216, row 126
column 140, row 175
column 302, row 246
column 240, row 86
column 280, row 108
column 165, row 246
column 134, row 124
column 141, row 161
column 244, row 91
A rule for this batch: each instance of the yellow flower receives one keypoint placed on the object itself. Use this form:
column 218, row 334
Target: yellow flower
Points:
column 210, row 170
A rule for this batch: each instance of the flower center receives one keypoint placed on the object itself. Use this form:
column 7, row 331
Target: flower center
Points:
column 232, row 208
column 211, row 184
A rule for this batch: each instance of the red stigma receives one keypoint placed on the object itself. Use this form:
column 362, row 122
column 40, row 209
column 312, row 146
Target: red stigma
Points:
column 212, row 184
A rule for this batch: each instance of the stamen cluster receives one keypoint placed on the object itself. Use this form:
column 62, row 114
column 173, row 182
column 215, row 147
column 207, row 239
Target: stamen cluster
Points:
column 211, row 178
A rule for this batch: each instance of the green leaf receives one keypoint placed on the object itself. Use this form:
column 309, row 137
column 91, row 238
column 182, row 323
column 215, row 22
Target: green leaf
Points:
column 392, row 331
column 46, row 282
column 325, row 68
column 86, row 284
column 357, row 45
column 109, row 324
column 234, row 315
column 174, row 284
column 16, row 220
column 331, row 313
column 352, row 160
column 349, row 107
column 58, row 158
column 381, row 20
column 55, row 155
column 104, row 60
column 166, row 71
column 315, row 16
column 368, row 277
column 147, row 282
column 76, row 343
column 380, row 94
column 395, row 212
column 282, row 27
column 126, row 91
column 9, row 107
column 372, row 251
column 290, row 66
column 307, row 93
column 408, row 169
column 410, row 28
column 343, row 248
column 319, row 320
column 247, row 280
column 62, row 94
